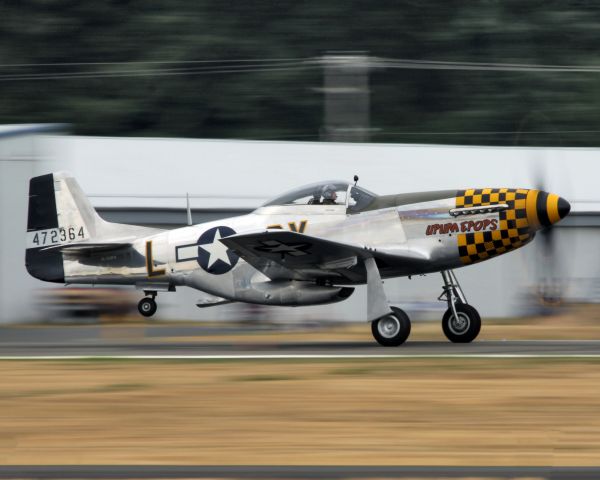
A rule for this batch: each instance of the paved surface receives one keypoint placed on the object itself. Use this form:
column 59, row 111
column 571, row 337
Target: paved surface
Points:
column 299, row 349
column 100, row 340
column 153, row 341
column 291, row 472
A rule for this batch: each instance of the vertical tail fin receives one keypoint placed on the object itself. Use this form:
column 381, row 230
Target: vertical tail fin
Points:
column 59, row 212
column 74, row 209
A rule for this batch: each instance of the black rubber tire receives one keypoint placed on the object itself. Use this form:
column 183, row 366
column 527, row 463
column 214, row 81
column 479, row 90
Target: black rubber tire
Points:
column 403, row 331
column 147, row 307
column 470, row 331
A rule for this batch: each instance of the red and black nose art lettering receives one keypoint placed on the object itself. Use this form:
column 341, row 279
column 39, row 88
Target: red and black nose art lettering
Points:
column 512, row 230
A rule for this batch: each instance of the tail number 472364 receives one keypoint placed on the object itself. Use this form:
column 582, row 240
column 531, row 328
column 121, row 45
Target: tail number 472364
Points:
column 57, row 235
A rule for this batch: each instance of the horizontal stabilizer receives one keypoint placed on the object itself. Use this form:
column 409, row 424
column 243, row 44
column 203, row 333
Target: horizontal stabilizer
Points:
column 85, row 248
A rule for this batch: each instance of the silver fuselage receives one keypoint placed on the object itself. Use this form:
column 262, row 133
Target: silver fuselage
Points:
column 256, row 258
column 175, row 262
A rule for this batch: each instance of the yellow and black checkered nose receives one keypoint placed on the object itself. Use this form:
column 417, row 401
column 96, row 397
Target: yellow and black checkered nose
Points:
column 544, row 209
column 528, row 211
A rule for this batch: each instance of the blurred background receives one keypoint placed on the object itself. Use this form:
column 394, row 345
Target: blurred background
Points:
column 234, row 102
column 255, row 70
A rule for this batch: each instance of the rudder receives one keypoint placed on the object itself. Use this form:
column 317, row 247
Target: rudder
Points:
column 59, row 213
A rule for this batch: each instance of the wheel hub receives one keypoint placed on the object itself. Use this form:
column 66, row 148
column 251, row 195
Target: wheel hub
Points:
column 459, row 325
column 389, row 326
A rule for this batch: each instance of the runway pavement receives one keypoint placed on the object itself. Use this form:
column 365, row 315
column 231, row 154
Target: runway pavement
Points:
column 291, row 472
column 160, row 341
column 166, row 341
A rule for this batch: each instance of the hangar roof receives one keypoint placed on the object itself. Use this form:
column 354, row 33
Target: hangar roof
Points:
column 31, row 128
column 239, row 174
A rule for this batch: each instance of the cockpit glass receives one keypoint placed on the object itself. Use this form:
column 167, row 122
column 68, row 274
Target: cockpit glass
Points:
column 323, row 193
column 360, row 199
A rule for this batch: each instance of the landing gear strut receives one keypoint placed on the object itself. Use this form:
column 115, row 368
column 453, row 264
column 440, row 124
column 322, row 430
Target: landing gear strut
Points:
column 147, row 306
column 390, row 328
column 461, row 323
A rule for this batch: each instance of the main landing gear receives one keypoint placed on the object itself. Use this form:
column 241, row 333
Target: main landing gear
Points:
column 393, row 329
column 147, row 306
column 461, row 323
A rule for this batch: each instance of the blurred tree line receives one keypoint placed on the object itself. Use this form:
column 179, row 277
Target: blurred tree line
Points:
column 407, row 105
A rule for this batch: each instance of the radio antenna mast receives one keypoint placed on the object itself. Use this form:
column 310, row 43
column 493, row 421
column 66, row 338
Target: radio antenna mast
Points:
column 189, row 210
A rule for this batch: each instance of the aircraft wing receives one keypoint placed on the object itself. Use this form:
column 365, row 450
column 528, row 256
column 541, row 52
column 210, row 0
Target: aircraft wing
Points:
column 283, row 254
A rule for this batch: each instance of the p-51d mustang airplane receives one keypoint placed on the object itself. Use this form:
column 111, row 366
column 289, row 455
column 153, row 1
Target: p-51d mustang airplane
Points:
column 309, row 246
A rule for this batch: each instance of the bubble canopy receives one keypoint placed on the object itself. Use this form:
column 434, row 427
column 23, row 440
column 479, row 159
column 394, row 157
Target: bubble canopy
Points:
column 331, row 192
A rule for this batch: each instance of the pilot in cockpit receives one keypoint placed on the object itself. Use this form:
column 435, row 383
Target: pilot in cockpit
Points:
column 316, row 199
column 329, row 195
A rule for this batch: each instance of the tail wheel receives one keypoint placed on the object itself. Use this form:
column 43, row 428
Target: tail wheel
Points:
column 393, row 329
column 463, row 329
column 147, row 307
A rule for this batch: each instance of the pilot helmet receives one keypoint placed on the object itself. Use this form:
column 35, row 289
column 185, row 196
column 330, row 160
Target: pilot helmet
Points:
column 329, row 192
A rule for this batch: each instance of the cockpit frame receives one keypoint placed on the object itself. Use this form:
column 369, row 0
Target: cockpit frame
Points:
column 317, row 195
